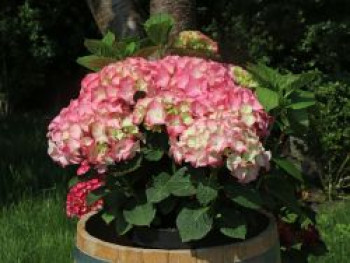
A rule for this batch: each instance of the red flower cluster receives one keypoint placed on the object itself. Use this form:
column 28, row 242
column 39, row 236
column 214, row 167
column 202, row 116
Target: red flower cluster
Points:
column 289, row 235
column 76, row 204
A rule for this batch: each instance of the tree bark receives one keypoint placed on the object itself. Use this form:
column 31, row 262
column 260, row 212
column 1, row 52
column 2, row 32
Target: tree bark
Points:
column 183, row 11
column 123, row 17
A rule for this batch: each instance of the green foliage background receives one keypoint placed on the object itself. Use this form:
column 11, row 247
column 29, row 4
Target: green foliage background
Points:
column 296, row 36
column 39, row 41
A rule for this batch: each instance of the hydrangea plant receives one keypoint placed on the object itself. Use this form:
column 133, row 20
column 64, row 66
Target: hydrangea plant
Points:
column 183, row 141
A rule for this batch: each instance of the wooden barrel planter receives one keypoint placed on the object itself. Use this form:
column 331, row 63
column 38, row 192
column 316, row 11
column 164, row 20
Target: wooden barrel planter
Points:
column 263, row 248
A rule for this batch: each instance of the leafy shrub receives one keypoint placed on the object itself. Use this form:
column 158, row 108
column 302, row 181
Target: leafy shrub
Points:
column 38, row 38
column 331, row 135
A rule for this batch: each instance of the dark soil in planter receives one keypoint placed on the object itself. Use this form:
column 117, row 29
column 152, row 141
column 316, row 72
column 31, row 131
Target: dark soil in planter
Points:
column 166, row 238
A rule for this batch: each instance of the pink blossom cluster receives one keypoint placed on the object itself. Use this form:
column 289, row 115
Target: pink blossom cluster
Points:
column 210, row 119
column 76, row 204
column 97, row 128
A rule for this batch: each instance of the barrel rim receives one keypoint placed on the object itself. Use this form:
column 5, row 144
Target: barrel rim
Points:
column 255, row 245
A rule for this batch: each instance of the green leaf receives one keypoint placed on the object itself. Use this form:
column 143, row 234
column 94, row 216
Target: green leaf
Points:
column 232, row 223
column 290, row 168
column 140, row 214
column 194, row 224
column 299, row 117
column 284, row 192
column 302, row 80
column 95, row 195
column 131, row 48
column 158, row 28
column 108, row 217
column 109, row 39
column 244, row 196
column 100, row 49
column 116, row 198
column 94, row 62
column 180, row 183
column 147, row 52
column 301, row 105
column 121, row 226
column 288, row 216
column 127, row 167
column 94, row 46
column 306, row 94
column 206, row 192
column 235, row 232
column 268, row 98
column 73, row 181
column 159, row 190
column 153, row 155
column 265, row 76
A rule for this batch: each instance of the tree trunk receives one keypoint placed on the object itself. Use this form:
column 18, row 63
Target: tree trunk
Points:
column 183, row 11
column 123, row 17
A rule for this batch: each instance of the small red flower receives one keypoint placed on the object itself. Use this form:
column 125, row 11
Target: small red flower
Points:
column 76, row 204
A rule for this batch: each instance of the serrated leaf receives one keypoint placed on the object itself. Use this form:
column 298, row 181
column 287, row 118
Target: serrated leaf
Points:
column 153, row 155
column 159, row 189
column 127, row 167
column 158, row 27
column 180, row 184
column 265, row 76
column 100, row 49
column 194, row 224
column 206, row 192
column 244, row 196
column 109, row 38
column 268, row 98
column 94, row 62
column 140, row 214
column 290, row 168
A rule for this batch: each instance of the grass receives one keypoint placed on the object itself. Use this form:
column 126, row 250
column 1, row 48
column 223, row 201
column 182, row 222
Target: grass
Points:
column 334, row 224
column 36, row 230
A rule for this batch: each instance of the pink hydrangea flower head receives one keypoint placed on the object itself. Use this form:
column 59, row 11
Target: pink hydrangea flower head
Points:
column 209, row 118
